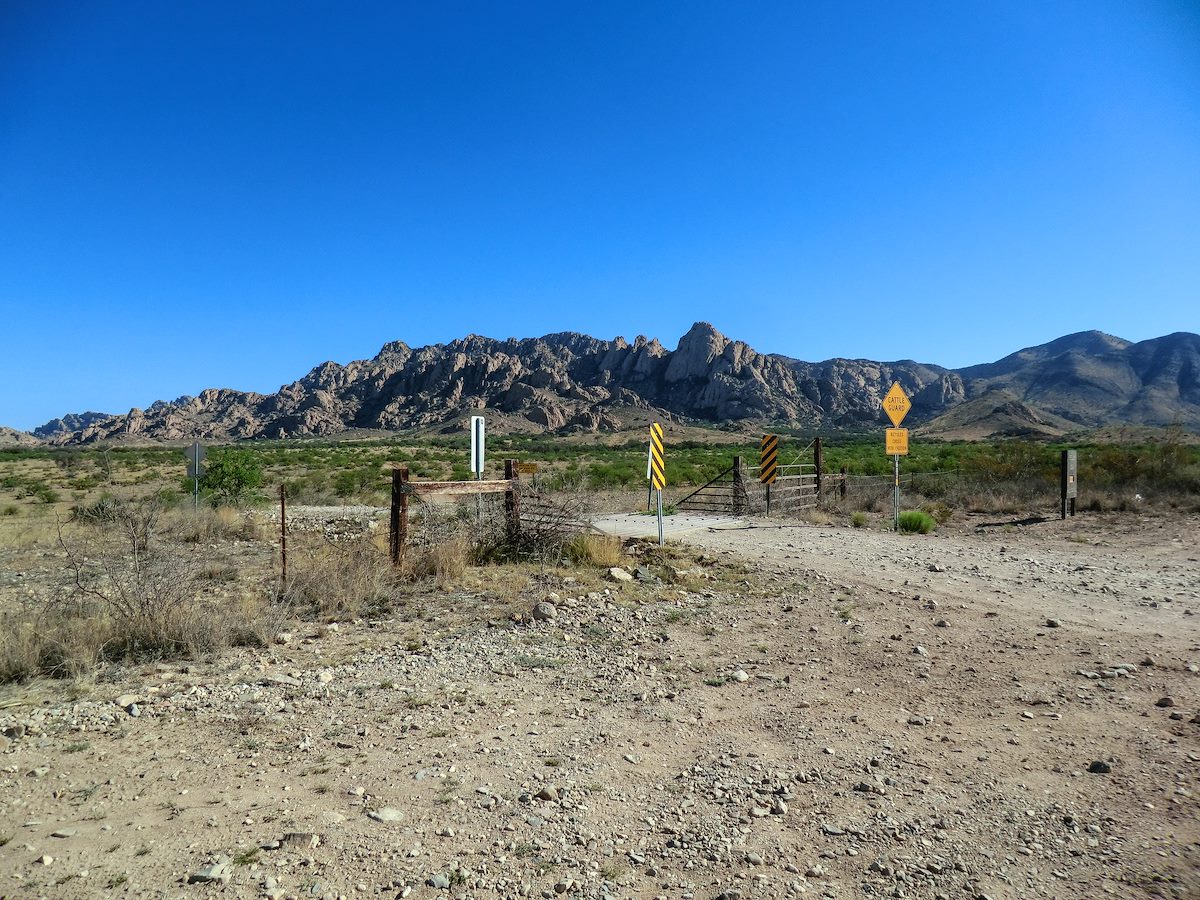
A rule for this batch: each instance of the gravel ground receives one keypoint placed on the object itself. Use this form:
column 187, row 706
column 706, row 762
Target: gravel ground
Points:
column 995, row 710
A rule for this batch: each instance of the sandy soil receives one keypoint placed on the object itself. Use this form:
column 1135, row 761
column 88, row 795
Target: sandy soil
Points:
column 794, row 710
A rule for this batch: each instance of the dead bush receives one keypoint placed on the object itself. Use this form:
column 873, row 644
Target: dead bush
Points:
column 208, row 525
column 445, row 562
column 329, row 581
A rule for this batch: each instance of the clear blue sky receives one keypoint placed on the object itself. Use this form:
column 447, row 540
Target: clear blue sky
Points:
column 226, row 194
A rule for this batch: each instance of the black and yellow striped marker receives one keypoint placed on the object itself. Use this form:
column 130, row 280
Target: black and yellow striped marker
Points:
column 769, row 459
column 658, row 472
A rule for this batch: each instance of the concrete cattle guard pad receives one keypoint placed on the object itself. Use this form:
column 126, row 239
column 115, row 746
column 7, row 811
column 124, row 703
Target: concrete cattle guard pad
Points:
column 630, row 525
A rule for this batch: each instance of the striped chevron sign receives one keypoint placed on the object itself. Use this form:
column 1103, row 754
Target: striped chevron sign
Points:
column 658, row 472
column 769, row 459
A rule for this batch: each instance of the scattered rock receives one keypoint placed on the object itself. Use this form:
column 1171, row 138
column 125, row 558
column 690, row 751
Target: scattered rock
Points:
column 385, row 814
column 217, row 872
column 1053, row 623
column 1165, row 702
column 1100, row 767
column 616, row 573
column 545, row 611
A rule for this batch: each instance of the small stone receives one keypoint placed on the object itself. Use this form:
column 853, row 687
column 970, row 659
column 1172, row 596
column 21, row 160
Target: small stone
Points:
column 438, row 881
column 759, row 812
column 1165, row 702
column 616, row 573
column 920, row 651
column 754, row 859
column 127, row 700
column 936, row 567
column 1099, row 767
column 916, row 720
column 385, row 814
column 941, row 623
column 548, row 794
column 740, row 676
column 544, row 611
column 325, row 677
column 64, row 833
column 644, row 574
column 305, row 840
column 46, row 860
column 817, row 871
column 216, row 872
column 1053, row 623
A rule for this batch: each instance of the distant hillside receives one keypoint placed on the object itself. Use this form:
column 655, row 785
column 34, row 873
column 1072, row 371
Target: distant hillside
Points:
column 570, row 382
column 10, row 437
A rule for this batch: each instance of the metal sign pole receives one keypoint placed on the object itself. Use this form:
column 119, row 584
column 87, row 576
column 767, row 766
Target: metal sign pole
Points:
column 896, row 498
column 660, row 524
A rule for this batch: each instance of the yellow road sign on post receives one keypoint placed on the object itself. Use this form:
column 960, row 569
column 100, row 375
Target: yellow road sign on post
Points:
column 769, row 459
column 658, row 471
column 896, row 404
column 897, row 442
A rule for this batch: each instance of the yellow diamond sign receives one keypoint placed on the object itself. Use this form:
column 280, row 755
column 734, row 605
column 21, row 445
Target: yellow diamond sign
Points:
column 896, row 404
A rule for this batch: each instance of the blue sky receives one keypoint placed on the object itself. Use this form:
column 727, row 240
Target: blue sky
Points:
column 226, row 194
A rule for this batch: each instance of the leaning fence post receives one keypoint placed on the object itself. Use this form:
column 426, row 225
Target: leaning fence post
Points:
column 843, row 485
column 512, row 499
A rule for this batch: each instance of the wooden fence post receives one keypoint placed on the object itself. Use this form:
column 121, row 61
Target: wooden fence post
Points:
column 512, row 500
column 819, row 463
column 842, row 488
column 399, row 514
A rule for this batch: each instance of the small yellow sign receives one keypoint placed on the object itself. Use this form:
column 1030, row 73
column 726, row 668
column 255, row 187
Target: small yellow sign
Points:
column 897, row 442
column 896, row 404
column 527, row 468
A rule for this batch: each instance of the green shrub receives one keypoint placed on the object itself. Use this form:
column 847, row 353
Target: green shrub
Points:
column 914, row 521
column 232, row 474
column 858, row 519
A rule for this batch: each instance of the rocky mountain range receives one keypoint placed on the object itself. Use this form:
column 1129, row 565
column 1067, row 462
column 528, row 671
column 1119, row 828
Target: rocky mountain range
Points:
column 571, row 382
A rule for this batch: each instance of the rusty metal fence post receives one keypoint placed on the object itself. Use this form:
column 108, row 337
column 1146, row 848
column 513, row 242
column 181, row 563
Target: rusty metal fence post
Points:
column 283, row 532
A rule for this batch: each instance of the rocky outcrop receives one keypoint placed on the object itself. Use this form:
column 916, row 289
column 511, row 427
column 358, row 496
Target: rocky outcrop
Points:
column 10, row 437
column 572, row 382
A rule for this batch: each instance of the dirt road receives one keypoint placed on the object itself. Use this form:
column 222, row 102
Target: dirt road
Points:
column 786, row 711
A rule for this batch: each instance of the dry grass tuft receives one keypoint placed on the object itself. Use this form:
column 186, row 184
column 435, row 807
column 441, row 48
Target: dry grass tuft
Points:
column 600, row 550
column 328, row 581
